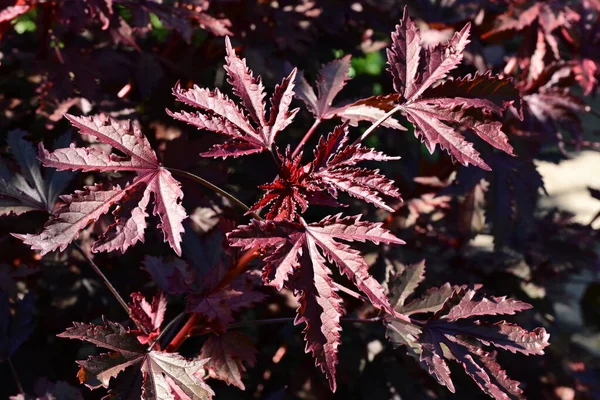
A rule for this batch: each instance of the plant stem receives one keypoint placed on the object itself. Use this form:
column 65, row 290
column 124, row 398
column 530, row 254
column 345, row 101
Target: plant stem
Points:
column 106, row 281
column 192, row 321
column 307, row 136
column 377, row 123
column 365, row 300
column 15, row 376
column 183, row 333
column 215, row 189
column 166, row 329
column 351, row 293
column 240, row 266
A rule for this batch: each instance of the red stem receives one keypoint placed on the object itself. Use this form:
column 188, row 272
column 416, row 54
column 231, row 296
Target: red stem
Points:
column 188, row 329
column 307, row 136
column 183, row 333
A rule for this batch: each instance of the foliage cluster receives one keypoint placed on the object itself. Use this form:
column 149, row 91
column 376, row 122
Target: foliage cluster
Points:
column 310, row 182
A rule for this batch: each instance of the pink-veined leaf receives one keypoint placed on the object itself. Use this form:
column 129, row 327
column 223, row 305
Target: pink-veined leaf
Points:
column 171, row 376
column 320, row 310
column 440, row 113
column 472, row 304
column 29, row 190
column 331, row 80
column 152, row 180
column 297, row 258
column 220, row 114
column 453, row 326
column 165, row 375
column 318, row 182
column 150, row 316
column 403, row 284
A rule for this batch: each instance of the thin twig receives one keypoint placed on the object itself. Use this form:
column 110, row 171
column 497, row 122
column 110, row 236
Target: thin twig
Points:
column 307, row 136
column 377, row 123
column 104, row 279
column 166, row 329
column 15, row 376
column 215, row 189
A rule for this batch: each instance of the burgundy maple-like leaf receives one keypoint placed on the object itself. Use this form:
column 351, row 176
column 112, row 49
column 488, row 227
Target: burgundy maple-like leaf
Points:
column 152, row 180
column 402, row 285
column 318, row 182
column 149, row 316
column 539, row 24
column 217, row 304
column 227, row 354
column 165, row 375
column 200, row 281
column 29, row 190
column 440, row 113
column 180, row 17
column 453, row 326
column 511, row 196
column 550, row 107
column 221, row 115
column 171, row 376
column 331, row 80
column 585, row 42
column 297, row 254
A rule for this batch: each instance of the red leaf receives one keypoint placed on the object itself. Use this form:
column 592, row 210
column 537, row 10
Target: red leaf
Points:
column 404, row 56
column 88, row 205
column 227, row 354
column 466, row 103
column 331, row 171
column 221, row 115
column 332, row 79
column 29, row 190
column 472, row 304
column 320, row 310
column 452, row 326
column 296, row 259
column 149, row 316
column 164, row 374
